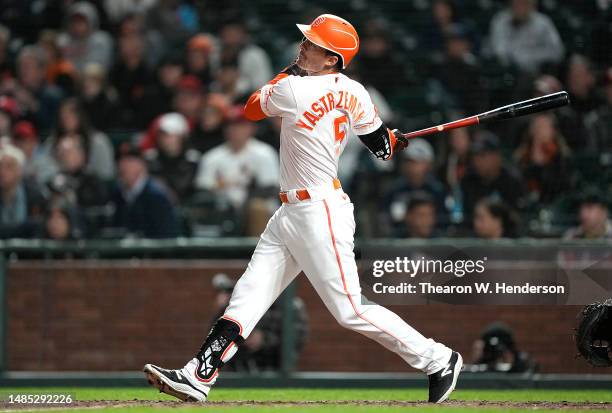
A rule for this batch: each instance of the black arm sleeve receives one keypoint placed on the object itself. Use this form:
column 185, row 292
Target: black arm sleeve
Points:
column 378, row 142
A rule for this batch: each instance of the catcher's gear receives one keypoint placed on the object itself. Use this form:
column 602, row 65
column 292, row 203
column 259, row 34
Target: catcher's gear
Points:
column 334, row 34
column 594, row 333
column 383, row 142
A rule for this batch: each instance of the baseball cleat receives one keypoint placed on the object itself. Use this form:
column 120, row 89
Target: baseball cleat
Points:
column 443, row 382
column 176, row 383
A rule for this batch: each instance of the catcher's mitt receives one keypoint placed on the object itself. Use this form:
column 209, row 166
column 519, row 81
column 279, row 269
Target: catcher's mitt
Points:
column 594, row 333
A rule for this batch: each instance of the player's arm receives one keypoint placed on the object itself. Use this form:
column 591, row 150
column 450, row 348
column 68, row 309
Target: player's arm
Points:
column 384, row 142
column 253, row 108
column 372, row 131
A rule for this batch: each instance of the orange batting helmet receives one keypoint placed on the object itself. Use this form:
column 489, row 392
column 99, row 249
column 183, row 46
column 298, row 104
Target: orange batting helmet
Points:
column 334, row 34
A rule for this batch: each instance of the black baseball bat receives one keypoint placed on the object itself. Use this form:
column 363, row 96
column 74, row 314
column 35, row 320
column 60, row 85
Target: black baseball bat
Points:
column 526, row 107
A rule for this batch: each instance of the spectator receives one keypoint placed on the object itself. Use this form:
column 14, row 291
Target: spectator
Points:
column 420, row 218
column 525, row 37
column 487, row 176
column 593, row 216
column 496, row 351
column 444, row 15
column 460, row 72
column 199, row 54
column 84, row 188
column 252, row 61
column 99, row 100
column 227, row 82
column 172, row 162
column 25, row 137
column 142, row 206
column 60, row 72
column 544, row 160
column 599, row 124
column 262, row 351
column 377, row 64
column 239, row 166
column 72, row 121
column 37, row 99
column 416, row 168
column 157, row 98
column 208, row 132
column 133, row 24
column 175, row 20
column 21, row 203
column 189, row 98
column 62, row 223
column 455, row 160
column 148, row 139
column 6, row 67
column 9, row 112
column 581, row 85
column 130, row 76
column 494, row 220
column 82, row 42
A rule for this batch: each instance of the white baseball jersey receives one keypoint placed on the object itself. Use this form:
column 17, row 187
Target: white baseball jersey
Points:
column 317, row 114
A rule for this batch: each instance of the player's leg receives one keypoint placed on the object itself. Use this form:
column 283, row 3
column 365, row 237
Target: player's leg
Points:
column 268, row 273
column 326, row 256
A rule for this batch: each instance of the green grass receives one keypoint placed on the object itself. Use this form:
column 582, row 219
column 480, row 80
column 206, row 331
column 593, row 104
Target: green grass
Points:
column 302, row 395
column 315, row 409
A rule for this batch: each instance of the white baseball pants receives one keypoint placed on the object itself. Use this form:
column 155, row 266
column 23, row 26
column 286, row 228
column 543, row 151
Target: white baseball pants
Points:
column 316, row 236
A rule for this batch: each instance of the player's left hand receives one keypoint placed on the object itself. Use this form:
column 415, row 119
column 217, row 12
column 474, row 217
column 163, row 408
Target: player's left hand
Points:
column 401, row 141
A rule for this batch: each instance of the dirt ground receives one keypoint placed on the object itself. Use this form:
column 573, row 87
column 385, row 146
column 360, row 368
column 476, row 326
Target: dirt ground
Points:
column 175, row 404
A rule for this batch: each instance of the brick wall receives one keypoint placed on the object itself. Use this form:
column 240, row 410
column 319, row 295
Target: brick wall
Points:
column 87, row 315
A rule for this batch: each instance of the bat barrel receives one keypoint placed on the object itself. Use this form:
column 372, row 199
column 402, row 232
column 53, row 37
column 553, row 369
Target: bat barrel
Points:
column 526, row 107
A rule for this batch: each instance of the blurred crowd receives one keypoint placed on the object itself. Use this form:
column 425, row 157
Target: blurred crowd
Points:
column 124, row 118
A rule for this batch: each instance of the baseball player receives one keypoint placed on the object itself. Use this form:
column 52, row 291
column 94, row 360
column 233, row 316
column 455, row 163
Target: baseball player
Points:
column 313, row 230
